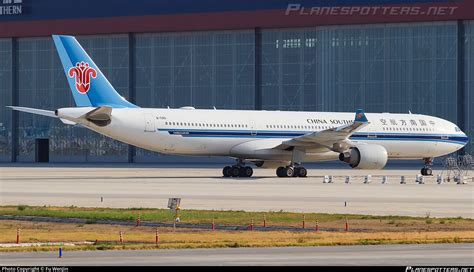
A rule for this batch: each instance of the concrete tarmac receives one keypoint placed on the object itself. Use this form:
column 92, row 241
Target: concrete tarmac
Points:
column 204, row 188
column 404, row 255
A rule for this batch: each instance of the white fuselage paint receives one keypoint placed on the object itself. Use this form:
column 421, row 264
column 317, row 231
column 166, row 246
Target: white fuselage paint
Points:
column 252, row 134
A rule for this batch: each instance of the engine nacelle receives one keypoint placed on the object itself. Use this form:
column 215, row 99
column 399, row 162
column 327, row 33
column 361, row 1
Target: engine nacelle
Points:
column 365, row 157
column 269, row 164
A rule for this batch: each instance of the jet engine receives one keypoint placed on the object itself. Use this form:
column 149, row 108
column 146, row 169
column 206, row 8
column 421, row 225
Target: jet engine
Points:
column 368, row 156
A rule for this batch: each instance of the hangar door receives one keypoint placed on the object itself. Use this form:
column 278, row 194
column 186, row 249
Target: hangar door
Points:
column 149, row 123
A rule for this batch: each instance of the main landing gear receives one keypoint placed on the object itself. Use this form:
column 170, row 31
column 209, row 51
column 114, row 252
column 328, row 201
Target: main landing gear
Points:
column 294, row 169
column 291, row 171
column 426, row 170
column 237, row 170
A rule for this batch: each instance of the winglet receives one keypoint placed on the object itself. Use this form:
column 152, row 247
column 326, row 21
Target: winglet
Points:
column 360, row 116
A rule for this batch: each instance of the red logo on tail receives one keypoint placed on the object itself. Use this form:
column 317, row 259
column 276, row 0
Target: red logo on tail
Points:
column 83, row 73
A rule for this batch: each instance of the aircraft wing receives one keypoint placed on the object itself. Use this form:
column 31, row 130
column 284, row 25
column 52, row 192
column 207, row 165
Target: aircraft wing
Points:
column 335, row 139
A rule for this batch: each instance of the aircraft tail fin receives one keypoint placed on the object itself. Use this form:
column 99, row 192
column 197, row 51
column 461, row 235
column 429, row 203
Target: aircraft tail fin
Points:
column 89, row 86
column 360, row 116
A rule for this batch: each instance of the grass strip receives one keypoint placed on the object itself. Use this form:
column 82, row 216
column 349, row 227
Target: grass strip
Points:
column 107, row 237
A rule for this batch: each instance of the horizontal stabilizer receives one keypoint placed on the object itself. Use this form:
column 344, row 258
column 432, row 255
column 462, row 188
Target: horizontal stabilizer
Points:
column 67, row 122
column 34, row 111
column 41, row 112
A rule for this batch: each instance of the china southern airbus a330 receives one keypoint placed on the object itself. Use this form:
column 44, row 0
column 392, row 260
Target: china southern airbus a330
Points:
column 278, row 139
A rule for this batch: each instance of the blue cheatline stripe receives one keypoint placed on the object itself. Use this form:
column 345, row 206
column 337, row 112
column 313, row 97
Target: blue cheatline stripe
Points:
column 383, row 136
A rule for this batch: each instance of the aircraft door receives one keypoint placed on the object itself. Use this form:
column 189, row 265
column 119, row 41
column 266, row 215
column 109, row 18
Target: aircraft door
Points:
column 149, row 122
column 253, row 128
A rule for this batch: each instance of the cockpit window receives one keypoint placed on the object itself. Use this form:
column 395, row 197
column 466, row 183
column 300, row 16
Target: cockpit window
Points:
column 457, row 129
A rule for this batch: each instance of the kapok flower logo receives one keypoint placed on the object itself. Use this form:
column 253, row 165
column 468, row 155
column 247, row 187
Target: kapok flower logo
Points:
column 83, row 73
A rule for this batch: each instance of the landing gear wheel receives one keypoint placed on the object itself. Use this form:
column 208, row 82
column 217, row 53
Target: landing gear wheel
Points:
column 289, row 171
column 296, row 171
column 227, row 171
column 246, row 171
column 280, row 172
column 235, row 171
column 426, row 171
column 301, row 172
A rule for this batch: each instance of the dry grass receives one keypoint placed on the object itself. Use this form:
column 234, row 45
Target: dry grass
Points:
column 144, row 237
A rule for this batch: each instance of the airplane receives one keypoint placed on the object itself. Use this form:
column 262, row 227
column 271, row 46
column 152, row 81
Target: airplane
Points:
column 269, row 139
